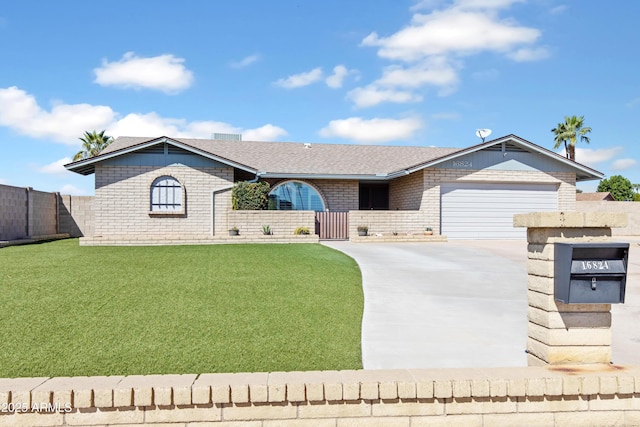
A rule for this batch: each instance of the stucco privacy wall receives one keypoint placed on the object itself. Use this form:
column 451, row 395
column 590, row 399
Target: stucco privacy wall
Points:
column 76, row 215
column 434, row 177
column 13, row 212
column 280, row 222
column 122, row 201
column 597, row 395
column 632, row 209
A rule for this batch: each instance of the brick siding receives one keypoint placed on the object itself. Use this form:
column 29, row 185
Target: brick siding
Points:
column 122, row 201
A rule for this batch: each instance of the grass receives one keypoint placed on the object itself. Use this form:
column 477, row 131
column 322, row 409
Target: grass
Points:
column 69, row 310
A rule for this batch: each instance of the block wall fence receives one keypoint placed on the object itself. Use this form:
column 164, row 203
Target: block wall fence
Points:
column 591, row 395
column 632, row 209
column 28, row 214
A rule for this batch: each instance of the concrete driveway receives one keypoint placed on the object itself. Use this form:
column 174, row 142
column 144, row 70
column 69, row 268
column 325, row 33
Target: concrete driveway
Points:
column 460, row 304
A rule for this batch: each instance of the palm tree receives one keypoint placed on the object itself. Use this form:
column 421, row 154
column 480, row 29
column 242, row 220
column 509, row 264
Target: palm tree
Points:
column 92, row 144
column 567, row 133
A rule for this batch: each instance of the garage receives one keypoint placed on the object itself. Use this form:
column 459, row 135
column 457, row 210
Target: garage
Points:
column 485, row 210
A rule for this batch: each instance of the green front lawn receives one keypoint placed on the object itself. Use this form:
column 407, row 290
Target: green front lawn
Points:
column 69, row 310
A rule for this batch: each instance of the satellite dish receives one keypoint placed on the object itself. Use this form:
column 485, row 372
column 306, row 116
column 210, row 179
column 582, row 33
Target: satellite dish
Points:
column 483, row 133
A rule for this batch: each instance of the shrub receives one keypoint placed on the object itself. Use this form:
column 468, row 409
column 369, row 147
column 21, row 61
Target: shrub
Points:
column 266, row 230
column 301, row 230
column 250, row 196
column 363, row 228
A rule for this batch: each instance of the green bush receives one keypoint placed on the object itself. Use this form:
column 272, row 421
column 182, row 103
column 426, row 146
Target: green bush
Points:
column 619, row 187
column 250, row 196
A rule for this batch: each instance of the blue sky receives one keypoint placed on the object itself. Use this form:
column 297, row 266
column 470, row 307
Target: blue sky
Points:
column 393, row 72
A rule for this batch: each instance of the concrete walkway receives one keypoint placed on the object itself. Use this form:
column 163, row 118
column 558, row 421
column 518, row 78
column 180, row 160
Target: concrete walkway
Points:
column 459, row 304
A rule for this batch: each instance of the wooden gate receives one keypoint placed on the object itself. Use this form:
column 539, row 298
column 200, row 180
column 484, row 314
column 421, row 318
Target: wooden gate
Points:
column 332, row 225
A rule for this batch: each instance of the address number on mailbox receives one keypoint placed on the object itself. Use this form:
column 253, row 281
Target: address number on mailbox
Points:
column 590, row 273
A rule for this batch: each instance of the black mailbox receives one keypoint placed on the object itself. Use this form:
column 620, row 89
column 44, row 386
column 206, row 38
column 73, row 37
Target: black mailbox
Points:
column 590, row 273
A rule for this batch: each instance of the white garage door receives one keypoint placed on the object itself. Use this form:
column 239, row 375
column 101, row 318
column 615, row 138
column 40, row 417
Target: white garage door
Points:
column 485, row 211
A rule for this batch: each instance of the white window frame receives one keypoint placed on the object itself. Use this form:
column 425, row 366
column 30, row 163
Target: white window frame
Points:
column 166, row 196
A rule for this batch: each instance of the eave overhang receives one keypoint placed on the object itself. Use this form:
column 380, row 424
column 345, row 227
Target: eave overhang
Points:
column 359, row 177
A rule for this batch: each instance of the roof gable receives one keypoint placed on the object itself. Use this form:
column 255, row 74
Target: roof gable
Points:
column 127, row 145
column 515, row 144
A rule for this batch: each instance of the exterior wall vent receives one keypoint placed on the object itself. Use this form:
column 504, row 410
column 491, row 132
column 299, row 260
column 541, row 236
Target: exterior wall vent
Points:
column 227, row 136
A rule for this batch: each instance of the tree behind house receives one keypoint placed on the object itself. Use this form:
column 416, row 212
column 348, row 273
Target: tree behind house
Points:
column 569, row 132
column 619, row 187
column 92, row 144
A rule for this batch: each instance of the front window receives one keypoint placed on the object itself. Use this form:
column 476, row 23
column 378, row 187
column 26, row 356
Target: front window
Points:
column 166, row 195
column 295, row 196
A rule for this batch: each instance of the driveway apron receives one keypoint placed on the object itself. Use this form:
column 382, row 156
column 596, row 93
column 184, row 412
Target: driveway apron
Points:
column 431, row 305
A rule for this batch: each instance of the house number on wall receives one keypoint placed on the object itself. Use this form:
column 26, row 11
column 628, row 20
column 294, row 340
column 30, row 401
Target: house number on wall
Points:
column 462, row 164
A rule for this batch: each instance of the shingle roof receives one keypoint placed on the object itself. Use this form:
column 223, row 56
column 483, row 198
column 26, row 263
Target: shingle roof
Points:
column 594, row 197
column 294, row 158
column 290, row 159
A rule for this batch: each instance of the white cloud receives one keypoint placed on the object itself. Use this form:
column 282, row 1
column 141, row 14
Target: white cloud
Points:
column 339, row 73
column 529, row 54
column 151, row 124
column 589, row 156
column 72, row 190
column 57, row 167
column 452, row 31
column 623, row 164
column 4, row 181
column 20, row 112
column 440, row 35
column 300, row 80
column 486, row 4
column 372, row 131
column 558, row 9
column 267, row 132
column 245, row 62
column 435, row 71
column 371, row 95
column 425, row 4
column 164, row 72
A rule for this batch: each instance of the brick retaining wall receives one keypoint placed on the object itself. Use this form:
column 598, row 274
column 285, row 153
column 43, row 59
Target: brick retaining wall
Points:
column 282, row 223
column 595, row 395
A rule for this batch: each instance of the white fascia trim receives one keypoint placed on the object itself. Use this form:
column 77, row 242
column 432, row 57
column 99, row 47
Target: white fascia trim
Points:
column 72, row 166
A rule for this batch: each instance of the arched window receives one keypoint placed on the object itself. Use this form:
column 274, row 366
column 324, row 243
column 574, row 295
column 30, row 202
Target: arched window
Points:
column 295, row 196
column 166, row 195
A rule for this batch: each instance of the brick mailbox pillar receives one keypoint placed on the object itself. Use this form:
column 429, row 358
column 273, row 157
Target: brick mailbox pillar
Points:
column 560, row 334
